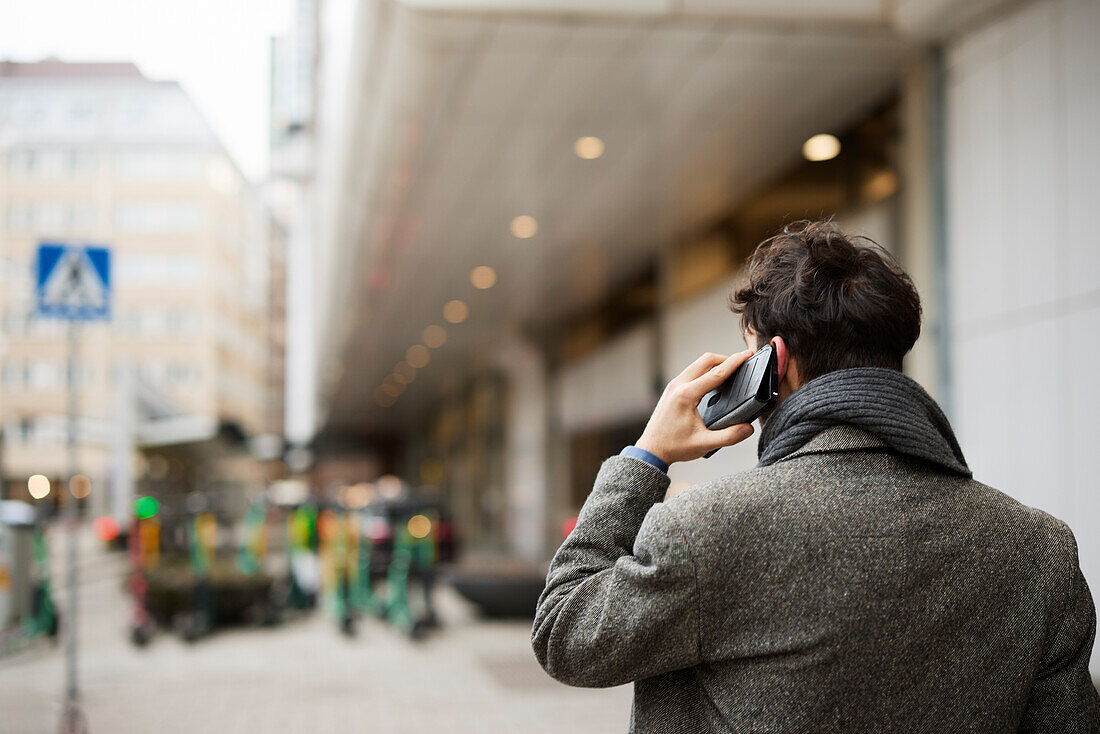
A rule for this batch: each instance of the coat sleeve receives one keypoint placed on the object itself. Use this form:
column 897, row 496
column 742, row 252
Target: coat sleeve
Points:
column 1063, row 698
column 620, row 601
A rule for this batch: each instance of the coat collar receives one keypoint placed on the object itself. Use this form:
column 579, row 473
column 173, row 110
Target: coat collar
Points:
column 841, row 437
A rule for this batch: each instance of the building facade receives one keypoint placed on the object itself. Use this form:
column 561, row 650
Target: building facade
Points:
column 97, row 153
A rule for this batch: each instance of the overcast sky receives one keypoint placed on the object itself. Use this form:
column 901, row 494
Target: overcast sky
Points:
column 217, row 49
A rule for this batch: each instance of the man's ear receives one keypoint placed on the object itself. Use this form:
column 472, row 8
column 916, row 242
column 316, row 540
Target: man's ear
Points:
column 781, row 355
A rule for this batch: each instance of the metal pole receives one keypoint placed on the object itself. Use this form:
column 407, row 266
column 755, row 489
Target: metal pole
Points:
column 72, row 721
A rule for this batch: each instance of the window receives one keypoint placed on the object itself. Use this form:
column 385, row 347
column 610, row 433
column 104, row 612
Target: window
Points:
column 127, row 322
column 181, row 322
column 46, row 375
column 14, row 323
column 153, row 322
column 83, row 112
column 179, row 373
column 160, row 217
column 158, row 165
column 158, row 270
column 52, row 217
column 20, row 217
column 54, row 162
column 81, row 218
column 133, row 113
column 42, row 327
column 29, row 113
column 80, row 162
column 21, row 162
column 152, row 373
column 158, row 322
column 15, row 373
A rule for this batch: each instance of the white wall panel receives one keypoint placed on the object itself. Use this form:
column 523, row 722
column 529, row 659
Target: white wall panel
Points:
column 984, row 374
column 976, row 216
column 1036, row 419
column 1023, row 111
column 1081, row 435
column 1033, row 162
column 700, row 325
column 1079, row 116
column 610, row 386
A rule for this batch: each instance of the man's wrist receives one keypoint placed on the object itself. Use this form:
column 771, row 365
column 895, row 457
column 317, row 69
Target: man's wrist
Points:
column 645, row 443
column 637, row 452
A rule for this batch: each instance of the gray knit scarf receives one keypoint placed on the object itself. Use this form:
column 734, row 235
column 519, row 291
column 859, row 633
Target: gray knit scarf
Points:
column 880, row 401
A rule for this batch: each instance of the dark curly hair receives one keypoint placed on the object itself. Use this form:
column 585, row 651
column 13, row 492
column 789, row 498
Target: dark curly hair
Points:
column 837, row 301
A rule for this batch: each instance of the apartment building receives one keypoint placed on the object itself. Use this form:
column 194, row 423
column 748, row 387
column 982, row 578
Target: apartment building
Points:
column 97, row 153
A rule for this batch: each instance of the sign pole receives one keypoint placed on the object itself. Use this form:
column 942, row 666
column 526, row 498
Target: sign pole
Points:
column 72, row 282
column 73, row 718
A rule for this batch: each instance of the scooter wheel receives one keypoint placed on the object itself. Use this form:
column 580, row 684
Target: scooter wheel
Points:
column 140, row 635
column 419, row 630
column 191, row 627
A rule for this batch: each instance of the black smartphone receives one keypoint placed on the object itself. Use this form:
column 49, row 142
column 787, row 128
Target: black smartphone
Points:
column 750, row 391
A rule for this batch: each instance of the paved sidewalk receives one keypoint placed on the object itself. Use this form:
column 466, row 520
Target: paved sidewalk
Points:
column 470, row 676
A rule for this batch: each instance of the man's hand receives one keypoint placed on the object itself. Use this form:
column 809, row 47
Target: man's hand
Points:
column 675, row 431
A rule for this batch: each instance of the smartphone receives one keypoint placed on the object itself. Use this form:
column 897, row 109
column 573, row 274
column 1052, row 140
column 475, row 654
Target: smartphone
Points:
column 750, row 391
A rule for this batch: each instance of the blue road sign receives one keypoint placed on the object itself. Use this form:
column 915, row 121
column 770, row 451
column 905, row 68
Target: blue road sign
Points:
column 73, row 282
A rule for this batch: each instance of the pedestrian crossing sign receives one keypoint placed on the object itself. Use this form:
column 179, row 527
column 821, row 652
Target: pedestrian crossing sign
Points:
column 73, row 282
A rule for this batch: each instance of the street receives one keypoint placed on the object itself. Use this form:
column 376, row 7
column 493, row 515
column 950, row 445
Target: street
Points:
column 471, row 675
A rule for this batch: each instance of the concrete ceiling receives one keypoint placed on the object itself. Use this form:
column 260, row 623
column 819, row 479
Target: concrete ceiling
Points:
column 461, row 121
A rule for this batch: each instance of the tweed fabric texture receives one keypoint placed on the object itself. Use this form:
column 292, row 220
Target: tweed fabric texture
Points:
column 846, row 587
column 883, row 402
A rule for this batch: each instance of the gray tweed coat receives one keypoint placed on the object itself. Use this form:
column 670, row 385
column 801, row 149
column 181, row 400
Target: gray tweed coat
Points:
column 846, row 587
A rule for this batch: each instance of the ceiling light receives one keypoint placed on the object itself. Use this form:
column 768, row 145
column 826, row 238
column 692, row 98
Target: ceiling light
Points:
column 434, row 336
column 405, row 371
column 383, row 398
column 524, row 226
column 881, row 185
column 418, row 355
column 394, row 382
column 821, row 147
column 455, row 311
column 588, row 148
column 388, row 389
column 483, row 277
